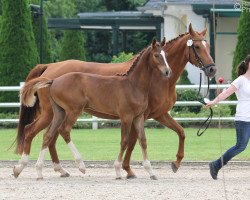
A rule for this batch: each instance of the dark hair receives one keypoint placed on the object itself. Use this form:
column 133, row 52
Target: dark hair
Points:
column 243, row 66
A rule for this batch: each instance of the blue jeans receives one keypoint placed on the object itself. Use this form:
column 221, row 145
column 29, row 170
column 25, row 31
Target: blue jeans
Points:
column 242, row 138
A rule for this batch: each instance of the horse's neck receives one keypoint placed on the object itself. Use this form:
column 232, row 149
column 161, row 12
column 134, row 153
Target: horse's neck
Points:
column 141, row 75
column 177, row 58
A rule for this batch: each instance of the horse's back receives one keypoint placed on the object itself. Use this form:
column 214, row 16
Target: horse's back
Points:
column 55, row 70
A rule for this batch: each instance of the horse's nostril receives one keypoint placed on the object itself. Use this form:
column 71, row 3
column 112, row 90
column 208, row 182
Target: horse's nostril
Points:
column 166, row 73
column 211, row 70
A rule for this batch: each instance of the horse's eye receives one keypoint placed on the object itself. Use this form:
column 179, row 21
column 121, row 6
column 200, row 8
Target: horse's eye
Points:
column 156, row 55
column 196, row 46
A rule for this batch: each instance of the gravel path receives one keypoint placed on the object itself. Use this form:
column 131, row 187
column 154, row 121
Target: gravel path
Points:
column 191, row 182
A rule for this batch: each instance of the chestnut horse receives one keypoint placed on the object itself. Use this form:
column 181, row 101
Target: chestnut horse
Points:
column 123, row 97
column 161, row 100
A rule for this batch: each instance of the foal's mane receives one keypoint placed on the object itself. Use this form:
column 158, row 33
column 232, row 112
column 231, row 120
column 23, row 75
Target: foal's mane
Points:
column 133, row 64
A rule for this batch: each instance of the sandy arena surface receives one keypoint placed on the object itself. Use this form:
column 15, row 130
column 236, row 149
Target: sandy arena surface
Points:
column 192, row 181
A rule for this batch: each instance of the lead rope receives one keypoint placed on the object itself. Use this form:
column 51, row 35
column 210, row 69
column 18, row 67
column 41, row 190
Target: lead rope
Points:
column 207, row 122
column 221, row 158
column 223, row 174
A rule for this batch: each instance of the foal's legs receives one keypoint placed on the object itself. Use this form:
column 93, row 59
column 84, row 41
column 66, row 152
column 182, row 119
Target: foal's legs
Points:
column 139, row 127
column 59, row 115
column 168, row 121
column 54, row 157
column 130, row 147
column 65, row 129
column 125, row 130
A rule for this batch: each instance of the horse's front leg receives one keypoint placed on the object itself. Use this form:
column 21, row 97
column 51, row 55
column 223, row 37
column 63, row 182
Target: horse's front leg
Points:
column 169, row 122
column 139, row 127
column 125, row 131
column 133, row 136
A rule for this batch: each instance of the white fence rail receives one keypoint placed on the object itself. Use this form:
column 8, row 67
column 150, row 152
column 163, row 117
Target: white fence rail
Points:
column 95, row 120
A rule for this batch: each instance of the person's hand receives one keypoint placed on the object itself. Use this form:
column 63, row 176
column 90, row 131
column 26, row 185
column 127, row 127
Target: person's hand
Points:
column 209, row 104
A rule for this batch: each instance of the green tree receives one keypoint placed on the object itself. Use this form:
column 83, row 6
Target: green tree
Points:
column 242, row 48
column 184, row 80
column 72, row 46
column 47, row 54
column 243, row 40
column 89, row 6
column 1, row 7
column 123, row 5
column 60, row 8
column 18, row 52
column 122, row 57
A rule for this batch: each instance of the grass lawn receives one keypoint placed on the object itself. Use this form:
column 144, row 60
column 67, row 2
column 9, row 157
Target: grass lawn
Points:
column 103, row 144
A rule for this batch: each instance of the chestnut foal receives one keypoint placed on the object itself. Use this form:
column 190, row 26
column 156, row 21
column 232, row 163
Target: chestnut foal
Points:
column 123, row 97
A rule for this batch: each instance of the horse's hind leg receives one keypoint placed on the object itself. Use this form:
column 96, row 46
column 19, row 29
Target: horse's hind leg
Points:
column 125, row 130
column 31, row 131
column 139, row 127
column 54, row 157
column 59, row 115
column 65, row 129
column 168, row 121
column 131, row 144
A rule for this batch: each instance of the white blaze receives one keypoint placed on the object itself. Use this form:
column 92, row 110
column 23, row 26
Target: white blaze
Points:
column 204, row 43
column 164, row 58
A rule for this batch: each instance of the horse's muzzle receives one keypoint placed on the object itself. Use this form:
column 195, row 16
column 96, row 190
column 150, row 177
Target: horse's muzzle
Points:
column 167, row 73
column 210, row 70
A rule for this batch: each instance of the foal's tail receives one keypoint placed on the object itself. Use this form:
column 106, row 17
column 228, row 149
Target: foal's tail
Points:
column 27, row 93
column 28, row 99
column 27, row 114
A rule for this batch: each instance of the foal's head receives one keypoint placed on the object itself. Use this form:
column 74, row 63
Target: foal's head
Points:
column 199, row 52
column 159, row 58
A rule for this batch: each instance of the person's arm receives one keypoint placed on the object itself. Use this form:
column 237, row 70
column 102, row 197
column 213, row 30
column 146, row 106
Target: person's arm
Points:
column 222, row 96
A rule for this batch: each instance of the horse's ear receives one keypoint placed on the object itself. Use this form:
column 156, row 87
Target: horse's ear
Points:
column 190, row 29
column 204, row 31
column 163, row 42
column 153, row 42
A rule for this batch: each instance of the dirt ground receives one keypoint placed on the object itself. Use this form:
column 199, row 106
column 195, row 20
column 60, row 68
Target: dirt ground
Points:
column 192, row 181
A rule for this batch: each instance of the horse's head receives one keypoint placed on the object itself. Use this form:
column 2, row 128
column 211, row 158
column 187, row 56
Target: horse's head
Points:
column 159, row 58
column 199, row 52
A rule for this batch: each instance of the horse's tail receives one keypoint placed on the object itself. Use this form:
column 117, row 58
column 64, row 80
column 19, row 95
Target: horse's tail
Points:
column 27, row 114
column 27, row 93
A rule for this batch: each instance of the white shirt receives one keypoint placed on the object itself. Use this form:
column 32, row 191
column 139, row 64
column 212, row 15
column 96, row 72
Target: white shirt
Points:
column 243, row 95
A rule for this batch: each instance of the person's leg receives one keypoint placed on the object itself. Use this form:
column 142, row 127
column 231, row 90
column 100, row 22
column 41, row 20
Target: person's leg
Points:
column 242, row 138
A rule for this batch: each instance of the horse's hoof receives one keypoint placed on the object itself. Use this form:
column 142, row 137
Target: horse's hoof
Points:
column 153, row 177
column 39, row 178
column 82, row 170
column 131, row 176
column 118, row 178
column 15, row 173
column 174, row 168
column 65, row 175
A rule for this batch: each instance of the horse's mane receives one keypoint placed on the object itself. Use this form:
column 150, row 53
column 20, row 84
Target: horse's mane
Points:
column 133, row 64
column 176, row 38
column 141, row 52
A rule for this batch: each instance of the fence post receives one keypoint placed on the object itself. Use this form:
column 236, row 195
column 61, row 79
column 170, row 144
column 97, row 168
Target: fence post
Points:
column 94, row 123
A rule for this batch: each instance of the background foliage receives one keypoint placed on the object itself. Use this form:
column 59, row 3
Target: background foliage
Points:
column 18, row 51
column 47, row 52
column 72, row 46
column 242, row 48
